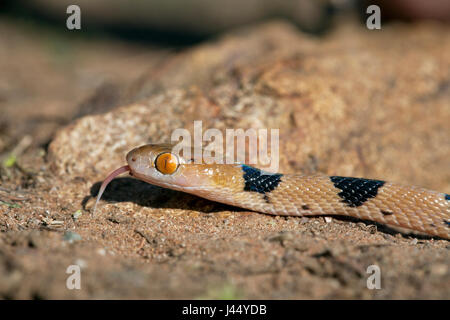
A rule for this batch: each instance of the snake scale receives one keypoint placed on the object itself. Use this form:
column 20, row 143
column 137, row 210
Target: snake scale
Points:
column 398, row 206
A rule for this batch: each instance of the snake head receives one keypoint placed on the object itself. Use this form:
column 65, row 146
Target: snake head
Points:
column 162, row 165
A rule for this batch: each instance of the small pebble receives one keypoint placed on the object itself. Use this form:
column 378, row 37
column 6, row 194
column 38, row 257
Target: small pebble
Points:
column 52, row 223
column 77, row 214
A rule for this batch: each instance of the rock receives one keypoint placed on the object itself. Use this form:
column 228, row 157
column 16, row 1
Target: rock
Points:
column 357, row 103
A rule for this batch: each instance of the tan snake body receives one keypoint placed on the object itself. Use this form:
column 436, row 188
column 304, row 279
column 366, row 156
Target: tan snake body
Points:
column 398, row 206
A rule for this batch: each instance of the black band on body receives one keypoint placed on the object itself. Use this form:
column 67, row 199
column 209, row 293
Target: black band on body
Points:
column 356, row 191
column 259, row 181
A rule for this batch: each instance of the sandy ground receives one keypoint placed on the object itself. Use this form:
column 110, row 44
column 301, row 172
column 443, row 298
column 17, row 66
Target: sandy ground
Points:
column 147, row 242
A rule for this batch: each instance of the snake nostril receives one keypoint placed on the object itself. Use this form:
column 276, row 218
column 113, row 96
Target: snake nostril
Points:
column 133, row 159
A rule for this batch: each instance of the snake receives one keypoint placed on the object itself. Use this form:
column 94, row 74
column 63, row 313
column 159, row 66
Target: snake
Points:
column 400, row 207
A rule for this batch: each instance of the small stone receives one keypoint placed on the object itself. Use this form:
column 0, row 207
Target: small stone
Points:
column 52, row 223
column 372, row 228
column 71, row 236
column 77, row 214
column 303, row 220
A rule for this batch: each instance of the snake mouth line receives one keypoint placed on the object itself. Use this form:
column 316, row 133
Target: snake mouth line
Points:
column 108, row 179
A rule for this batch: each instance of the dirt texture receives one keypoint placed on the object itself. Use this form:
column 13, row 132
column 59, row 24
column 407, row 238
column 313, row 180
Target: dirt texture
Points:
column 362, row 103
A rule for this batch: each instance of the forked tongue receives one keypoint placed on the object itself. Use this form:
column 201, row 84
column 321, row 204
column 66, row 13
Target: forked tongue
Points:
column 108, row 179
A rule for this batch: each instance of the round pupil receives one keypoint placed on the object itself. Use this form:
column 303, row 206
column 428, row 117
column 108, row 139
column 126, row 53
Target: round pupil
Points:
column 166, row 163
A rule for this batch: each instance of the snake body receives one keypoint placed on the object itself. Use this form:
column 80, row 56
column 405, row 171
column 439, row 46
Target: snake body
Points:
column 398, row 206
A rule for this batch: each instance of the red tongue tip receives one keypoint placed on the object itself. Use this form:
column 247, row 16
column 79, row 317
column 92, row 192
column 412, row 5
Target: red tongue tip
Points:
column 108, row 179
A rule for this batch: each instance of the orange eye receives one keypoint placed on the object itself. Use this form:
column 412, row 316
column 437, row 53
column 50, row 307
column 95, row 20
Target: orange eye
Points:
column 166, row 163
